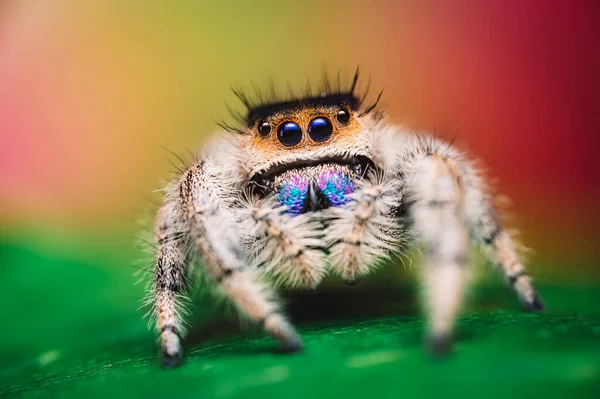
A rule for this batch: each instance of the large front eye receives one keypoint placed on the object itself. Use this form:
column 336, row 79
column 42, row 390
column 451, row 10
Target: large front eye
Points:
column 289, row 134
column 320, row 129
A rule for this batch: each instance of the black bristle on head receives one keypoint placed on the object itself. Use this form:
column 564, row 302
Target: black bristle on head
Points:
column 257, row 92
column 242, row 97
column 265, row 103
column 374, row 105
column 355, row 80
column 326, row 83
column 307, row 89
column 292, row 95
column 228, row 127
column 365, row 91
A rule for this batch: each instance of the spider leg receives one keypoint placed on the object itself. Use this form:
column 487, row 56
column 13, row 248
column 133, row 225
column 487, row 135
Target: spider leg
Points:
column 488, row 231
column 446, row 195
column 436, row 194
column 360, row 233
column 288, row 246
column 170, row 281
column 206, row 201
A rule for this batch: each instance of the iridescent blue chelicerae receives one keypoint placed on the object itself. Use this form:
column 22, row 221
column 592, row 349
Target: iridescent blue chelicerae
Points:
column 315, row 187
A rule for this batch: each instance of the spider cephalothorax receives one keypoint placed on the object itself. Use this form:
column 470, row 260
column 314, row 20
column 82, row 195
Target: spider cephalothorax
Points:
column 309, row 152
column 317, row 185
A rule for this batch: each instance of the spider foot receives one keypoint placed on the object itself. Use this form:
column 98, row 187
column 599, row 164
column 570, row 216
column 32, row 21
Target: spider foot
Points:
column 170, row 354
column 291, row 344
column 534, row 305
column 439, row 344
column 170, row 360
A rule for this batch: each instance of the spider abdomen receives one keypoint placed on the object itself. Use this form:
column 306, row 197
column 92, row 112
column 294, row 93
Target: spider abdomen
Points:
column 314, row 188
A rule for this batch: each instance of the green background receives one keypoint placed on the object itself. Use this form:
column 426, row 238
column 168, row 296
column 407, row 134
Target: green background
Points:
column 74, row 329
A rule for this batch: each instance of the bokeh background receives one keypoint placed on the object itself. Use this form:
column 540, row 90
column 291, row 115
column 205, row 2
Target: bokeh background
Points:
column 91, row 92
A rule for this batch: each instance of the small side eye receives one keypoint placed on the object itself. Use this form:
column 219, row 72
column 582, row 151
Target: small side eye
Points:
column 343, row 116
column 289, row 134
column 264, row 128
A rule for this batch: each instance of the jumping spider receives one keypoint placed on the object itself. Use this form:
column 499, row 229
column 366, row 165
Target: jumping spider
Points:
column 323, row 184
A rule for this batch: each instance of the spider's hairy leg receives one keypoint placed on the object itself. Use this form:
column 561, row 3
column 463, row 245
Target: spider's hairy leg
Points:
column 206, row 193
column 436, row 193
column 361, row 233
column 288, row 246
column 488, row 231
column 170, row 280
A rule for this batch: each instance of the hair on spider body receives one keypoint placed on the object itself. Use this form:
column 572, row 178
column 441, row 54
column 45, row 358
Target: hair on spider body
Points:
column 319, row 185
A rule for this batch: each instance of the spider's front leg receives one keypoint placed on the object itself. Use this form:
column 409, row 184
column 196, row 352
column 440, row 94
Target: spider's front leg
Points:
column 290, row 247
column 361, row 233
column 205, row 194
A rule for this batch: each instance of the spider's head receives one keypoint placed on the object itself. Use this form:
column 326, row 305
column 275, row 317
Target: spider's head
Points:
column 333, row 127
column 307, row 142
column 306, row 132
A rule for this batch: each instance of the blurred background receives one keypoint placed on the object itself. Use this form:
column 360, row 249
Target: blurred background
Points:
column 91, row 92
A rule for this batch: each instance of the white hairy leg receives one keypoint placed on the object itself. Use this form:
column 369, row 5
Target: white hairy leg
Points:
column 436, row 195
column 289, row 247
column 474, row 210
column 487, row 230
column 206, row 195
column 361, row 233
column 170, row 280
column 484, row 225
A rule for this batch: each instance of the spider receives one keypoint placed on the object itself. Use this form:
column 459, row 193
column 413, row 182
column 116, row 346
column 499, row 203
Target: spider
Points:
column 316, row 185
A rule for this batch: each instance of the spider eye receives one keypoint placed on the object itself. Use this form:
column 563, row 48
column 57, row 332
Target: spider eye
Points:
column 320, row 129
column 264, row 128
column 343, row 116
column 289, row 134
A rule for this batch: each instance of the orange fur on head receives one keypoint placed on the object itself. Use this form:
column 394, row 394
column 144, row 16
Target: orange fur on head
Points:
column 303, row 116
